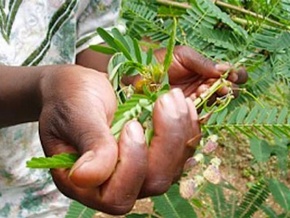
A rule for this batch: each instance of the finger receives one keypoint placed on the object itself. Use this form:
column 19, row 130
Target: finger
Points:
column 225, row 90
column 119, row 193
column 123, row 187
column 193, row 142
column 66, row 124
column 194, row 118
column 239, row 76
column 242, row 76
column 196, row 63
column 202, row 89
column 95, row 166
column 168, row 153
column 90, row 136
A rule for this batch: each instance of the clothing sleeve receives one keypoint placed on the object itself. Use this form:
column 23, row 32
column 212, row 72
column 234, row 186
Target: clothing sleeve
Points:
column 92, row 14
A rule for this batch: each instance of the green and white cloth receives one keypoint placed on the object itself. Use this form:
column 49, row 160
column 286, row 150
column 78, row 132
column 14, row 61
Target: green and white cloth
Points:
column 41, row 32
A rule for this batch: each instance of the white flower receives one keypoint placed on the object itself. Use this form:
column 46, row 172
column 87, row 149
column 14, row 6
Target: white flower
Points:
column 190, row 163
column 211, row 145
column 212, row 174
column 216, row 161
column 199, row 157
column 187, row 188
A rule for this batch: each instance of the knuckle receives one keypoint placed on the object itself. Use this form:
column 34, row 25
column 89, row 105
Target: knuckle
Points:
column 205, row 61
column 157, row 187
column 119, row 207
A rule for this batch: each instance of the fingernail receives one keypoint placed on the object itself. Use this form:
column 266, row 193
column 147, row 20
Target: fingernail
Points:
column 222, row 67
column 233, row 77
column 83, row 160
column 177, row 91
column 135, row 132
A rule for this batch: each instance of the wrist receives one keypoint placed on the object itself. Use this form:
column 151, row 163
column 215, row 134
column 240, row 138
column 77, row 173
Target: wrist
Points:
column 19, row 95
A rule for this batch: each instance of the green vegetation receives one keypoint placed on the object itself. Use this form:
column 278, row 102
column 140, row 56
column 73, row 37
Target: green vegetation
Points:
column 247, row 175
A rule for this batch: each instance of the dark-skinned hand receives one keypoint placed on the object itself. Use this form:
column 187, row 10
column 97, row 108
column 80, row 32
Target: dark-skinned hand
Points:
column 78, row 105
column 194, row 74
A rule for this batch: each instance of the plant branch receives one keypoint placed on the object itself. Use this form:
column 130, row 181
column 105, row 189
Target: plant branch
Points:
column 229, row 6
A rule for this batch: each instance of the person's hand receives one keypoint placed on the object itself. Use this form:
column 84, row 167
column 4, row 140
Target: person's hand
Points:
column 78, row 105
column 194, row 73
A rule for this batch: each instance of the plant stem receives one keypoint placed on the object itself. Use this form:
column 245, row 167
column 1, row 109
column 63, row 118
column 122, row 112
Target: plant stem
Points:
column 208, row 93
column 247, row 22
column 229, row 6
column 253, row 14
column 175, row 4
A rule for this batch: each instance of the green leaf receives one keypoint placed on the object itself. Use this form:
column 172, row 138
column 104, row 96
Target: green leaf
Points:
column 281, row 151
column 77, row 210
column 272, row 116
column 219, row 202
column 149, row 56
column 242, row 114
column 281, row 193
column 172, row 205
column 221, row 116
column 253, row 200
column 253, row 114
column 283, row 115
column 63, row 160
column 103, row 49
column 116, row 33
column 107, row 38
column 138, row 52
column 114, row 76
column 149, row 133
column 123, row 49
column 260, row 149
column 269, row 211
column 117, row 42
column 170, row 47
column 117, row 127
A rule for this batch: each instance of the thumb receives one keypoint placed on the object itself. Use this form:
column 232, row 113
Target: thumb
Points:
column 98, row 161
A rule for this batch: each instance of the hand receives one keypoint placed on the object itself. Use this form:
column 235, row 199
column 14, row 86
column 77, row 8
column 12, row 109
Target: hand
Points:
column 78, row 105
column 194, row 74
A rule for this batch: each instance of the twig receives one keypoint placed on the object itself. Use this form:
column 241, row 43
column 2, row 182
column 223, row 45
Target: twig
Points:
column 229, row 6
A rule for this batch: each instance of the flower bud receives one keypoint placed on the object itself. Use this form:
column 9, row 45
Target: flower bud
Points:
column 210, row 145
column 212, row 174
column 189, row 164
column 199, row 157
column 216, row 161
column 187, row 188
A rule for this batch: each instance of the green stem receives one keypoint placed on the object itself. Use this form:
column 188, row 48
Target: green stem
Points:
column 247, row 12
column 228, row 6
column 208, row 93
column 247, row 22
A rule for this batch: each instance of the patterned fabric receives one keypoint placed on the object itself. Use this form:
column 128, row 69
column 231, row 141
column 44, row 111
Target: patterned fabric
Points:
column 40, row 32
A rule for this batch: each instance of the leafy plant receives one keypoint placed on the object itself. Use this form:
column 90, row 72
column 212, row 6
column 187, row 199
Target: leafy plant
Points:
column 254, row 34
column 246, row 207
